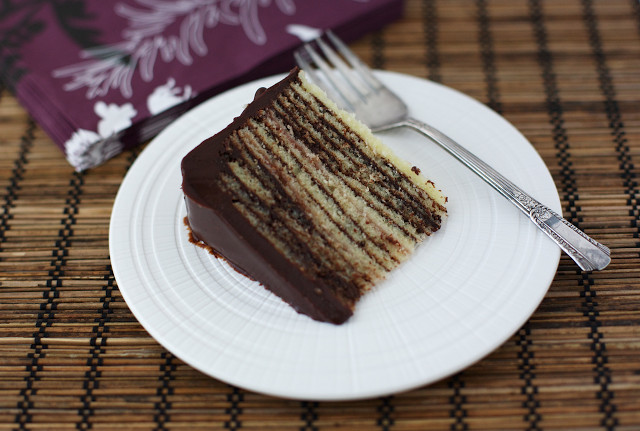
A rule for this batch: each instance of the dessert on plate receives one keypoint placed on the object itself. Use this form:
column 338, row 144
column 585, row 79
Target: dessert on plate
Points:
column 297, row 194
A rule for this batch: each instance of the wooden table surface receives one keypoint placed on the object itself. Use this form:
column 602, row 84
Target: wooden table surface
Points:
column 565, row 73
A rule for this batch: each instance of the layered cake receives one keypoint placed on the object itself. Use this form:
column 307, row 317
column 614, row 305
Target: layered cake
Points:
column 298, row 195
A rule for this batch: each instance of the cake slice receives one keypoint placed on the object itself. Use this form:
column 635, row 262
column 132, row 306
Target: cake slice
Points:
column 298, row 195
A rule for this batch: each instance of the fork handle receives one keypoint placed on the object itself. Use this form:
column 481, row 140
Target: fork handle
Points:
column 589, row 254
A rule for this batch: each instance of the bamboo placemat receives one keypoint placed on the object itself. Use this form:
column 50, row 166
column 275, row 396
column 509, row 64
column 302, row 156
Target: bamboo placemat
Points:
column 565, row 73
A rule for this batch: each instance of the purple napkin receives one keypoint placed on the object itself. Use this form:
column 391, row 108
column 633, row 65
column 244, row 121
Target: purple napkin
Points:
column 102, row 76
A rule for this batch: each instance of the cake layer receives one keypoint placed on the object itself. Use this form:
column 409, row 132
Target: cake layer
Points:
column 298, row 195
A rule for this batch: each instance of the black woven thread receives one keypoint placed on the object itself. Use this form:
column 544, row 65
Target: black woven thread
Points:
column 589, row 304
column 555, row 111
column 385, row 410
column 527, row 373
column 309, row 416
column 234, row 410
column 98, row 343
column 430, row 27
column 162, row 417
column 457, row 412
column 99, row 335
column 616, row 125
column 602, row 373
column 17, row 175
column 487, row 55
column 50, row 294
column 26, row 142
column 614, row 116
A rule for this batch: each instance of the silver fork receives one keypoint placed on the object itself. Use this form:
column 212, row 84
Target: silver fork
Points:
column 353, row 86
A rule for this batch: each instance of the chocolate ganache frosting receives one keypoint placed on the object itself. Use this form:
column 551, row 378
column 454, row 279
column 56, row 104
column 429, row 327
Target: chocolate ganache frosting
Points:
column 215, row 221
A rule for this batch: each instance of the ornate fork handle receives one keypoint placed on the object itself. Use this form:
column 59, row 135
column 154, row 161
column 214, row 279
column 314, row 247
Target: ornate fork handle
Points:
column 589, row 254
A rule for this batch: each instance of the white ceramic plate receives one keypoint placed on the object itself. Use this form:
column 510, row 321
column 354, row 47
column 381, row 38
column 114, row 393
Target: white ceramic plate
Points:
column 466, row 290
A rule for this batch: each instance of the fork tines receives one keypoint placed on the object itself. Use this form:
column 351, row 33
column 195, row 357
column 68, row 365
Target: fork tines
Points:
column 338, row 70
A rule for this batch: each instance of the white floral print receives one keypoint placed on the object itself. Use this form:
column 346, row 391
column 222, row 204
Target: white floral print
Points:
column 166, row 96
column 304, row 32
column 113, row 117
column 146, row 40
column 86, row 148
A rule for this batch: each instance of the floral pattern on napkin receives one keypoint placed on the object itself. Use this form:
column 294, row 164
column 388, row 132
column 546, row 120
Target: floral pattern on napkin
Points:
column 101, row 77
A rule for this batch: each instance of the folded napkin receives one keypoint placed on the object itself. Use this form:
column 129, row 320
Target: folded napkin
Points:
column 100, row 76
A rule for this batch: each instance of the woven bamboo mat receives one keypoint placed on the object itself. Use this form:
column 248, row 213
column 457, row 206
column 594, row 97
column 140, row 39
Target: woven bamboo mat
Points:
column 566, row 73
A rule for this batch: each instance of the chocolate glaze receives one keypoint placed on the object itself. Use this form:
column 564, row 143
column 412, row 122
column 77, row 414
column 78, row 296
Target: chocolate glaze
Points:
column 214, row 221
